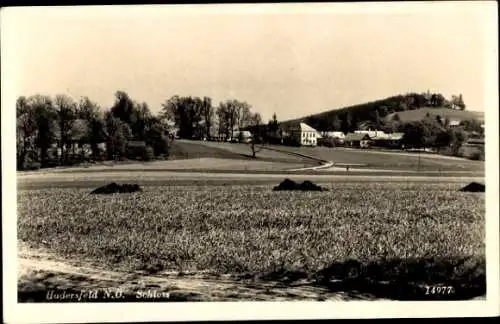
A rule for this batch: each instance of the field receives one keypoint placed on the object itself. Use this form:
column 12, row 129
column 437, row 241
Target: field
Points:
column 184, row 149
column 359, row 158
column 209, row 164
column 383, row 239
column 452, row 114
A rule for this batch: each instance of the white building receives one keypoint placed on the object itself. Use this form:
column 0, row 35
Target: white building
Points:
column 243, row 136
column 304, row 134
column 372, row 133
column 339, row 135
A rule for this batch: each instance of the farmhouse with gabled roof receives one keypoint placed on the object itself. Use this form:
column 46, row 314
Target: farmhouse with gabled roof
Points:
column 304, row 134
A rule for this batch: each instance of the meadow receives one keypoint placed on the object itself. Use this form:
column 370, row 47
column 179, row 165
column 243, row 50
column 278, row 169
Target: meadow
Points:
column 185, row 149
column 452, row 114
column 389, row 239
column 397, row 160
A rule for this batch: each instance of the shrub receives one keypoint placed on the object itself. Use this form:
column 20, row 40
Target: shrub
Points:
column 148, row 153
column 477, row 156
column 31, row 165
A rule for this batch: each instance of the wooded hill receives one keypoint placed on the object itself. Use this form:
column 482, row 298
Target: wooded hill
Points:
column 376, row 112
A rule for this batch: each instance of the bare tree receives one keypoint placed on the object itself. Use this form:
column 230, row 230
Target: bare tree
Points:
column 255, row 121
column 208, row 115
column 26, row 131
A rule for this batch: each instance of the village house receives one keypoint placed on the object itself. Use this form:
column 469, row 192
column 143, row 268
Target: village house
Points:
column 371, row 133
column 368, row 138
column 333, row 134
column 304, row 134
column 382, row 139
column 243, row 136
column 361, row 140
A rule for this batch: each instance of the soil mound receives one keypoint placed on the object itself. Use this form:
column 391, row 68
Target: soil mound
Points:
column 473, row 187
column 116, row 188
column 288, row 184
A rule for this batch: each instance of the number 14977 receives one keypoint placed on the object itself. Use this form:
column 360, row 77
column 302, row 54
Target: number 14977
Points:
column 439, row 290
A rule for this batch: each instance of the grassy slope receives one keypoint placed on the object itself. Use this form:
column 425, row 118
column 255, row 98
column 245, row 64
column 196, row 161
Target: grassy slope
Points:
column 192, row 150
column 377, row 228
column 395, row 161
column 244, row 151
column 452, row 114
column 370, row 159
column 197, row 155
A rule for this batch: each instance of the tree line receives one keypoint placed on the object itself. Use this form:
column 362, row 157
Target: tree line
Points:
column 198, row 118
column 52, row 130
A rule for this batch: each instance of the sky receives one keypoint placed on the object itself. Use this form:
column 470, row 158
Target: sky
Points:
column 290, row 59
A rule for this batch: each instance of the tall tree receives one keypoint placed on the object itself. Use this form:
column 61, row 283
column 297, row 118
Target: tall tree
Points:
column 273, row 125
column 222, row 120
column 123, row 108
column 46, row 121
column 157, row 137
column 92, row 114
column 458, row 102
column 185, row 112
column 141, row 121
column 118, row 134
column 457, row 138
column 273, row 132
column 207, row 111
column 245, row 116
column 26, row 133
column 232, row 114
column 66, row 110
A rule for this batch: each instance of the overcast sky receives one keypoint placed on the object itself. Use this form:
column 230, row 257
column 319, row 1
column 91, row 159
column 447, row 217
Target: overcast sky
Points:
column 287, row 59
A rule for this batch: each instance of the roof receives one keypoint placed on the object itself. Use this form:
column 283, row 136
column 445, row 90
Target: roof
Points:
column 475, row 141
column 243, row 133
column 306, row 128
column 356, row 137
column 396, row 136
column 334, row 134
column 303, row 127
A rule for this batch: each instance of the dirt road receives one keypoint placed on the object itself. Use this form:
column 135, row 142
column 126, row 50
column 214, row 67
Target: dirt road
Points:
column 46, row 277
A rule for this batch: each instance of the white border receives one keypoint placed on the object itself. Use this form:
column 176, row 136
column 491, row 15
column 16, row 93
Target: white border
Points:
column 52, row 313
